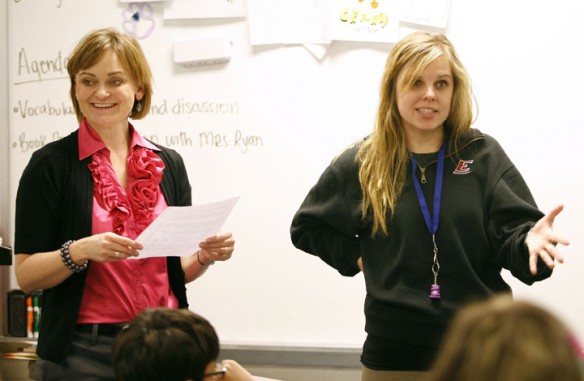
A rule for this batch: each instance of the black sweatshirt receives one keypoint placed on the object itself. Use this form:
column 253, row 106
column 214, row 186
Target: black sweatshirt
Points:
column 486, row 212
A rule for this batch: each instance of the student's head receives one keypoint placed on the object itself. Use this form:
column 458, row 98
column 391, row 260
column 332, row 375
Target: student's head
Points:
column 505, row 340
column 411, row 57
column 93, row 47
column 418, row 60
column 165, row 344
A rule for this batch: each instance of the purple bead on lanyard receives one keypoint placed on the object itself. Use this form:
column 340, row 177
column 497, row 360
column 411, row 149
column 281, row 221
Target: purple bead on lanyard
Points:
column 435, row 288
column 432, row 221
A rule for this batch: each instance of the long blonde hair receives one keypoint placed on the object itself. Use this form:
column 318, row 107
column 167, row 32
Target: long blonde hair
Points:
column 383, row 156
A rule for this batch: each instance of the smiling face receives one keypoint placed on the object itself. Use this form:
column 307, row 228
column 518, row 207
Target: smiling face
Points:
column 425, row 105
column 106, row 93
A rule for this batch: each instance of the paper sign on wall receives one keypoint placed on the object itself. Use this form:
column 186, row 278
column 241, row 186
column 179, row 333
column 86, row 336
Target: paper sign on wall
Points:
column 432, row 13
column 203, row 9
column 287, row 22
column 364, row 20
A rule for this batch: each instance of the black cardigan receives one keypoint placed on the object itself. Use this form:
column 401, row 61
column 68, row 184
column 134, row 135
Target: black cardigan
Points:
column 53, row 205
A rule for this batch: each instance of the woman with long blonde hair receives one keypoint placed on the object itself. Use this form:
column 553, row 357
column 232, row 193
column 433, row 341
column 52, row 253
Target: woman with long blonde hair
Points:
column 430, row 209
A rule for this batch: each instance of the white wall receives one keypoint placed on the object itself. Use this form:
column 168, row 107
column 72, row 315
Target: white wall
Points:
column 4, row 142
column 522, row 57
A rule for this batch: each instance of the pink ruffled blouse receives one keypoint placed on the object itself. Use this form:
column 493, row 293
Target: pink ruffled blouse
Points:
column 116, row 292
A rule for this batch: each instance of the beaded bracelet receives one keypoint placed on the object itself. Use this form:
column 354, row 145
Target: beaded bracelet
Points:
column 67, row 259
column 204, row 263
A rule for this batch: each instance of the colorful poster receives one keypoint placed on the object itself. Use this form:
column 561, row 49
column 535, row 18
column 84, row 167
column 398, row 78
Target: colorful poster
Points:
column 364, row 20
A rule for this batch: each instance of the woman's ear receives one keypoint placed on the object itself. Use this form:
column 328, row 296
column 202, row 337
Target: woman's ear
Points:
column 139, row 93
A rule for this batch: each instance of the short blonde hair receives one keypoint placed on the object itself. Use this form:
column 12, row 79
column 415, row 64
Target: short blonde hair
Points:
column 93, row 47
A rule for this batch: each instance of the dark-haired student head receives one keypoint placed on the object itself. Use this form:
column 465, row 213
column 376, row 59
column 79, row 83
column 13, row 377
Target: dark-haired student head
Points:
column 172, row 345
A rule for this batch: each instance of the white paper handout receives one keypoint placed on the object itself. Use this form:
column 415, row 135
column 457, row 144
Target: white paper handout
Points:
column 178, row 230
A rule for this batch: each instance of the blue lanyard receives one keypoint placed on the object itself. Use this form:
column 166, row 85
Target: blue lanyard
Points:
column 432, row 221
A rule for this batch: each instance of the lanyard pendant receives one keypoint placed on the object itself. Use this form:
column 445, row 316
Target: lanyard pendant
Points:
column 435, row 291
column 435, row 288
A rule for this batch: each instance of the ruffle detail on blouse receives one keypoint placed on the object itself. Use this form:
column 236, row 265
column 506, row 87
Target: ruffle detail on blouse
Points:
column 145, row 171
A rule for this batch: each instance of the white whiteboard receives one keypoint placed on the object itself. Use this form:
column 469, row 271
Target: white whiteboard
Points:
column 297, row 113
